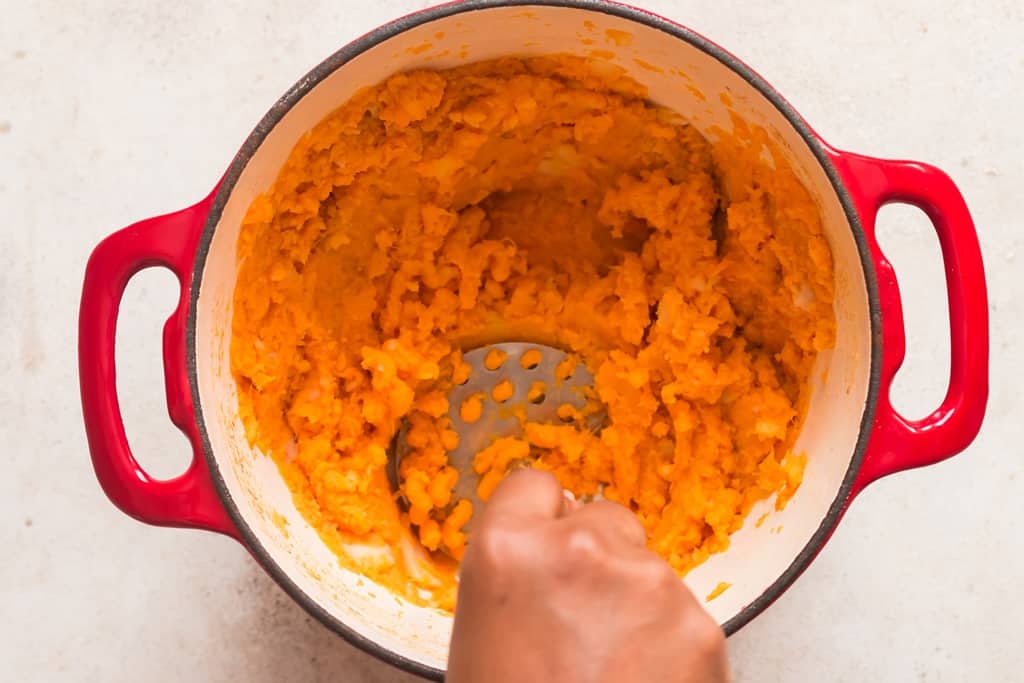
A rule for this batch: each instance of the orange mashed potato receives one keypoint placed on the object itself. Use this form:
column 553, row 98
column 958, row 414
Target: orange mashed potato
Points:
column 547, row 200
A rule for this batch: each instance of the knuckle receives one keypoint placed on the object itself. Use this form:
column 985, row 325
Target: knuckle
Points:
column 583, row 545
column 613, row 512
column 662, row 574
column 491, row 551
column 605, row 507
column 615, row 521
column 654, row 574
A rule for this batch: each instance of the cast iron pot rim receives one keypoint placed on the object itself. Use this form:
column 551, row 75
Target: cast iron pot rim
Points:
column 379, row 35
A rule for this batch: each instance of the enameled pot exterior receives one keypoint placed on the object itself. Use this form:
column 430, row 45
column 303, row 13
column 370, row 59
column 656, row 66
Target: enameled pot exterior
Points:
column 231, row 490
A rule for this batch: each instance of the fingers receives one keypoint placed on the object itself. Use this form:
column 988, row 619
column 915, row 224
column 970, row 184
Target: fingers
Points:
column 527, row 493
column 612, row 519
column 532, row 494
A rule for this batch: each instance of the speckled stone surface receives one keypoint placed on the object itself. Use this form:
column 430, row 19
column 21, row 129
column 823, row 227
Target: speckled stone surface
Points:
column 114, row 111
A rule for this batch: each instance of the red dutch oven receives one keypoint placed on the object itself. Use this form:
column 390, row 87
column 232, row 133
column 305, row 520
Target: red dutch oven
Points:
column 852, row 434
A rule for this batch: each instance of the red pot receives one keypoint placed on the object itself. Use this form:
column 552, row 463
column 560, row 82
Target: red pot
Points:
column 852, row 433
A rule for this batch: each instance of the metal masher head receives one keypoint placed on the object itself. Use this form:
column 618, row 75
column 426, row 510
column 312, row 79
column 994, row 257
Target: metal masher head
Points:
column 514, row 382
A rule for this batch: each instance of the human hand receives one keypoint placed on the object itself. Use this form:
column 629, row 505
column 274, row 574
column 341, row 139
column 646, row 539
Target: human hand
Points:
column 551, row 591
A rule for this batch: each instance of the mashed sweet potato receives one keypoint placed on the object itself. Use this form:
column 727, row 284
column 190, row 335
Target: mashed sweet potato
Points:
column 541, row 199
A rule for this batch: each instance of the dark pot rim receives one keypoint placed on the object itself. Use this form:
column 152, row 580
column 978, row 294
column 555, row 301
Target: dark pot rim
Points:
column 379, row 35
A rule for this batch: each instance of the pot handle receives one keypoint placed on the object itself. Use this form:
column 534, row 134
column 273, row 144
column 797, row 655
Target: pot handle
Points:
column 898, row 443
column 188, row 500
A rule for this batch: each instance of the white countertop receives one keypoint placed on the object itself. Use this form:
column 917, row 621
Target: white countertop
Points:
column 134, row 108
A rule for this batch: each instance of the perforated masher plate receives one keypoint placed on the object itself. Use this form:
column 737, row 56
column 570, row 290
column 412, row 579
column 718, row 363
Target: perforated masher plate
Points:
column 506, row 418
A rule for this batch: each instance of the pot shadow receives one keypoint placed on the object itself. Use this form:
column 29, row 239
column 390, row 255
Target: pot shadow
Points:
column 276, row 640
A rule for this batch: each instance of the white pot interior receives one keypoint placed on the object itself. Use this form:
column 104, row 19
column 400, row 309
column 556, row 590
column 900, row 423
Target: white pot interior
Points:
column 678, row 75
